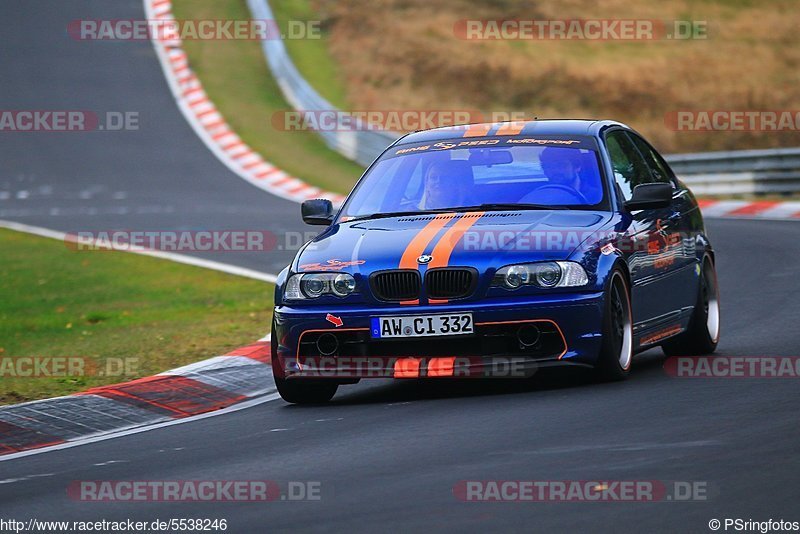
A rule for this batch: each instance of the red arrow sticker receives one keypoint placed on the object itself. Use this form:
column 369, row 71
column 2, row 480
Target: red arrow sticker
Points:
column 337, row 321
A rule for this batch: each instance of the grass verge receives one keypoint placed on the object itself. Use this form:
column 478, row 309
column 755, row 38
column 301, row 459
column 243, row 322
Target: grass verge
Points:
column 236, row 78
column 311, row 56
column 106, row 308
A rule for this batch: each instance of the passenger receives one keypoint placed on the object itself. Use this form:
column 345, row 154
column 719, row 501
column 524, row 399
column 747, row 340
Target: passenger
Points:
column 447, row 184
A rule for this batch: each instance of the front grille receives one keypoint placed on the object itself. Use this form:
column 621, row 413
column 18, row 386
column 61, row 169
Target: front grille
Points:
column 402, row 284
column 447, row 283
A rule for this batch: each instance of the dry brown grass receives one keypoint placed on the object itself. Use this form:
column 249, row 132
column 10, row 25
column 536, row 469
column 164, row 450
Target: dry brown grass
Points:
column 402, row 54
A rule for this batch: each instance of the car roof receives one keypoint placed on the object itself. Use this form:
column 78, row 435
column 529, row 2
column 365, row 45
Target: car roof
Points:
column 531, row 127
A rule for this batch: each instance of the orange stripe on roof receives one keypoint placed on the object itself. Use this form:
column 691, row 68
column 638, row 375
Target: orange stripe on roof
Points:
column 511, row 128
column 477, row 130
column 444, row 248
column 417, row 245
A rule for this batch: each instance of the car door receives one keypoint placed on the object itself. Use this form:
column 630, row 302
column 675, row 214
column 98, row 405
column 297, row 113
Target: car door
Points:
column 648, row 254
column 678, row 229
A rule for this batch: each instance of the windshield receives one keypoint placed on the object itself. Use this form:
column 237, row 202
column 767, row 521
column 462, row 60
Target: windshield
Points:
column 460, row 173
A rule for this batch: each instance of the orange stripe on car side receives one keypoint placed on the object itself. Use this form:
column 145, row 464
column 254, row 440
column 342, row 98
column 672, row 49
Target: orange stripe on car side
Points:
column 417, row 245
column 444, row 248
column 511, row 128
column 477, row 130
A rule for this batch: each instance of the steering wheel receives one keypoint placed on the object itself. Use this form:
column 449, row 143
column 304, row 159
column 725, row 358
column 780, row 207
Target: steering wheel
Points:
column 574, row 192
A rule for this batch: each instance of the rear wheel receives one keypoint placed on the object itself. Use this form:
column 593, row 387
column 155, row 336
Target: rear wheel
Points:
column 703, row 333
column 299, row 390
column 616, row 349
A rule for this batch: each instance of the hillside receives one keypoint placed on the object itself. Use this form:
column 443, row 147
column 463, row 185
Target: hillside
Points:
column 404, row 54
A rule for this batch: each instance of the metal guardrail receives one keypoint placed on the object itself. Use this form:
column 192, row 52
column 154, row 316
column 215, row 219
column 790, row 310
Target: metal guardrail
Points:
column 773, row 171
column 761, row 172
column 357, row 144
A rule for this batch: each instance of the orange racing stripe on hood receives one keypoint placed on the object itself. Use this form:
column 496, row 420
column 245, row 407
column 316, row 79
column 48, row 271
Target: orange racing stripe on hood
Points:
column 420, row 241
column 444, row 248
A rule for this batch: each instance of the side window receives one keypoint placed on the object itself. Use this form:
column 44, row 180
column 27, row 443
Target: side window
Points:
column 658, row 170
column 629, row 168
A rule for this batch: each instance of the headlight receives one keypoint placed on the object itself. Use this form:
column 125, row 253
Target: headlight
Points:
column 343, row 284
column 315, row 285
column 546, row 274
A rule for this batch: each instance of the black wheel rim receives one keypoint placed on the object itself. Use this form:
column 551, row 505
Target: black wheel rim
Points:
column 617, row 318
column 621, row 333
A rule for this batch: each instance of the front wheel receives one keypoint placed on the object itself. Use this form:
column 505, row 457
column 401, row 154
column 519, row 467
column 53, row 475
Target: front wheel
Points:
column 616, row 349
column 703, row 333
column 306, row 391
column 299, row 391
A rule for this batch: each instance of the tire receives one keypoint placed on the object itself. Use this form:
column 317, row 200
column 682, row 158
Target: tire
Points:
column 300, row 391
column 306, row 391
column 702, row 335
column 616, row 349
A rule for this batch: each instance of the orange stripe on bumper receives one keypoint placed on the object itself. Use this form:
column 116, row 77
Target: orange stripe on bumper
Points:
column 441, row 366
column 407, row 368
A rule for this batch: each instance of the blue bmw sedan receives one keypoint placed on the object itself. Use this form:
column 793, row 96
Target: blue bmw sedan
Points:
column 494, row 250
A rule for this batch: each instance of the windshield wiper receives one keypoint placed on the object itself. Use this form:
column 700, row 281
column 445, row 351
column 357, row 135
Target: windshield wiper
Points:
column 387, row 214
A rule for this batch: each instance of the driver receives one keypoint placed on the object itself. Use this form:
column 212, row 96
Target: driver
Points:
column 447, row 185
column 562, row 166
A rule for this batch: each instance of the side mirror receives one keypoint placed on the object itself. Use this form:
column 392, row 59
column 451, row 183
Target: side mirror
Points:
column 317, row 211
column 650, row 196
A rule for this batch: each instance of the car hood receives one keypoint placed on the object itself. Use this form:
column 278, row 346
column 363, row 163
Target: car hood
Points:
column 487, row 240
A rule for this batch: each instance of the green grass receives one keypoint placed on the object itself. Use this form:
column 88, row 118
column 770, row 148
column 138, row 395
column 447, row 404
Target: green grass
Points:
column 311, row 56
column 236, row 78
column 103, row 305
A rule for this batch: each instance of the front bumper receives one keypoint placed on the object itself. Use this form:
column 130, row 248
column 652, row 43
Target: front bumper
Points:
column 570, row 325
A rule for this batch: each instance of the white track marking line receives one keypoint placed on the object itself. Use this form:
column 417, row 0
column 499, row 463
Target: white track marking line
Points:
column 171, row 256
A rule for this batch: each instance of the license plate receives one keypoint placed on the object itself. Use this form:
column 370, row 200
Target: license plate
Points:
column 421, row 325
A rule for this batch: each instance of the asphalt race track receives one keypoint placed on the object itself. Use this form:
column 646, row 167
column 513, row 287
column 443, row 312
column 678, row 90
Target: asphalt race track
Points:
column 385, row 453
column 160, row 177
